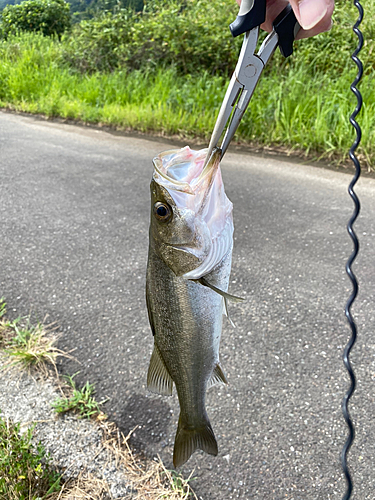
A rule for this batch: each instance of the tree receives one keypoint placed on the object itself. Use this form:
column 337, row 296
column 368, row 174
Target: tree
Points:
column 51, row 17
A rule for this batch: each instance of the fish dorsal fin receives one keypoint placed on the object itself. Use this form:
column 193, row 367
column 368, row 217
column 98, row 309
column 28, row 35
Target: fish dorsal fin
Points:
column 217, row 377
column 158, row 378
column 226, row 295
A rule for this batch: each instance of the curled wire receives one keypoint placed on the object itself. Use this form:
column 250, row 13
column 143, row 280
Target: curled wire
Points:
column 351, row 259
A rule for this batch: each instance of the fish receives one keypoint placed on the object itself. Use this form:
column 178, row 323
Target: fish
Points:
column 188, row 270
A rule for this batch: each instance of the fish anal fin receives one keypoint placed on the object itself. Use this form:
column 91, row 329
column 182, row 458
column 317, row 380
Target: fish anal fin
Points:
column 217, row 377
column 189, row 440
column 226, row 295
column 158, row 378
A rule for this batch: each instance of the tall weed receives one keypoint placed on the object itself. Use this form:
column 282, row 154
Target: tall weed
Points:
column 302, row 103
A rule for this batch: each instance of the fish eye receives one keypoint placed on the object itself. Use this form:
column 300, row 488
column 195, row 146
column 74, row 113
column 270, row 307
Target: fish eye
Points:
column 162, row 211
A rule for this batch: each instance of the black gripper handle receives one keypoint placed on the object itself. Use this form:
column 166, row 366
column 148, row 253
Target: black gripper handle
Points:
column 287, row 27
column 252, row 13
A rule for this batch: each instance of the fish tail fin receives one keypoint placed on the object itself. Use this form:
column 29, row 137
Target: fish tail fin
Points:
column 188, row 440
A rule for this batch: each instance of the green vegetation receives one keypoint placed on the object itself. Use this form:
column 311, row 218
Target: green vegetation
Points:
column 25, row 470
column 27, row 346
column 190, row 36
column 81, row 401
column 3, row 308
column 165, row 71
column 33, row 346
column 4, row 3
column 48, row 17
column 87, row 9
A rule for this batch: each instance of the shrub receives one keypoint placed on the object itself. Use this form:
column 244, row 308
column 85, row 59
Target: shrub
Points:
column 100, row 44
column 193, row 35
column 189, row 35
column 50, row 17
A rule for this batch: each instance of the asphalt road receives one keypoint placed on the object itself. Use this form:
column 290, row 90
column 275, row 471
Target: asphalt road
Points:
column 73, row 244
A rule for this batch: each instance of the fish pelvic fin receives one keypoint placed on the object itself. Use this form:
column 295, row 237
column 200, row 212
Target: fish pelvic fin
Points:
column 217, row 377
column 227, row 296
column 158, row 378
column 226, row 312
column 189, row 440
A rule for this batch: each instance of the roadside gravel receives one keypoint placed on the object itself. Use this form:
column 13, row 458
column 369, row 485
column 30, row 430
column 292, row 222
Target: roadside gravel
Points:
column 75, row 445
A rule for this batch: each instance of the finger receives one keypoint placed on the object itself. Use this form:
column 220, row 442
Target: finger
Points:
column 320, row 13
column 310, row 12
column 324, row 25
column 314, row 16
column 274, row 7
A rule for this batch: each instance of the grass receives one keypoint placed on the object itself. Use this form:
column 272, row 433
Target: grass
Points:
column 28, row 346
column 80, row 401
column 26, row 472
column 150, row 479
column 301, row 106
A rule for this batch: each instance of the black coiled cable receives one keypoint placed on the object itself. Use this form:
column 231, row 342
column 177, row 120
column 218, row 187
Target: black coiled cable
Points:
column 351, row 259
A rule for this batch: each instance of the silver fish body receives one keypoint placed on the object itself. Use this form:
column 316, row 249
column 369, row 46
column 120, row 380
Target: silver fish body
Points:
column 188, row 271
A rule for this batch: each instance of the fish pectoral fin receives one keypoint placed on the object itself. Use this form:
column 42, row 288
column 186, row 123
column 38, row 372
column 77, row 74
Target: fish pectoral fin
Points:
column 226, row 312
column 188, row 440
column 217, row 377
column 226, row 295
column 149, row 310
column 158, row 378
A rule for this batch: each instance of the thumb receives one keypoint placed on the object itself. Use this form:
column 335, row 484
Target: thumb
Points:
column 309, row 12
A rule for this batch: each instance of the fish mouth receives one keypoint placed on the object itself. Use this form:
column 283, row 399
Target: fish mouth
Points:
column 183, row 170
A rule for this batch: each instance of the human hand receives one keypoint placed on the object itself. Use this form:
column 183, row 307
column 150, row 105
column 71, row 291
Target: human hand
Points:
column 314, row 16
